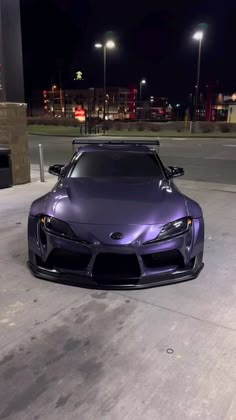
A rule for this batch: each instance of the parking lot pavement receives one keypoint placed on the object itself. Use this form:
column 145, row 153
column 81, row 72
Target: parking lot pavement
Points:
column 162, row 353
column 204, row 159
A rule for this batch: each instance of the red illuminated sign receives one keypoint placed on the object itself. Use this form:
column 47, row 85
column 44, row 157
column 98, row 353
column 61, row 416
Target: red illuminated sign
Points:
column 80, row 114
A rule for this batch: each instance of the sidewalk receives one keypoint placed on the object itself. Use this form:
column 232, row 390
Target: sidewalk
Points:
column 163, row 353
column 35, row 174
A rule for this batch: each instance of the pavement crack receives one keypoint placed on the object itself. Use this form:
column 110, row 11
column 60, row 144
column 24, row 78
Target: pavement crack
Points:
column 176, row 312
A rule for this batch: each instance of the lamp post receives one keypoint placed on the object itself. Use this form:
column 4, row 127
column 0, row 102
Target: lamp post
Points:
column 53, row 99
column 110, row 44
column 198, row 36
column 141, row 84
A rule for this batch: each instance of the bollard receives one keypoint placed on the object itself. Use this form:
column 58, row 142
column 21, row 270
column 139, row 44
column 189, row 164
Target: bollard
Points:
column 191, row 127
column 41, row 163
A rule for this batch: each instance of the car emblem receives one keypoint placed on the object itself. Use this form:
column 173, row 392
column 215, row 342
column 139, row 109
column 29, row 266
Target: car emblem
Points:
column 116, row 236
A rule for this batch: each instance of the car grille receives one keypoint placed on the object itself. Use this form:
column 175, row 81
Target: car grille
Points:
column 116, row 265
column 64, row 260
column 163, row 259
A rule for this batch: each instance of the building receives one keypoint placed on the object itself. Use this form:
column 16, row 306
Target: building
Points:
column 120, row 102
column 232, row 114
column 154, row 109
column 222, row 108
column 229, row 103
column 215, row 106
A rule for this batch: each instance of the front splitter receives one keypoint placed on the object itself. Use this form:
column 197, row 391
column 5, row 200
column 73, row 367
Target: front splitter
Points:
column 115, row 283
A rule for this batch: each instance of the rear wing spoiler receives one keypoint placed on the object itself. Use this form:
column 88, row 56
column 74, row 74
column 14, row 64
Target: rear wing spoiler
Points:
column 144, row 142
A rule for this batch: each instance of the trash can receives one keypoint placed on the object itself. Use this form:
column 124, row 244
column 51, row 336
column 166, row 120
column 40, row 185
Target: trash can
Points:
column 5, row 168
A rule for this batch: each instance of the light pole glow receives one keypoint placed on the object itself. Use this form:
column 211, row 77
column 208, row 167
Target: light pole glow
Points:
column 142, row 82
column 110, row 44
column 198, row 36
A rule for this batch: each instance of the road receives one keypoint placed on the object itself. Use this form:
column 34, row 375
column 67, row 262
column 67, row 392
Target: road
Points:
column 206, row 160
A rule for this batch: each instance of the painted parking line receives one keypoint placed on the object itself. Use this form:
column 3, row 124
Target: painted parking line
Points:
column 178, row 138
column 229, row 145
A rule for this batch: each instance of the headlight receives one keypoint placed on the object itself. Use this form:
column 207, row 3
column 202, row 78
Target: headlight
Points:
column 172, row 229
column 56, row 226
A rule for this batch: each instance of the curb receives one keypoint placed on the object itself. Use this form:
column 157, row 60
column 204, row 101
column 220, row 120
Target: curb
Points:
column 52, row 135
column 145, row 135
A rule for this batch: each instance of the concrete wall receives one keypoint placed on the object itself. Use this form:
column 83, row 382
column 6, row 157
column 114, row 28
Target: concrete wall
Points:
column 13, row 134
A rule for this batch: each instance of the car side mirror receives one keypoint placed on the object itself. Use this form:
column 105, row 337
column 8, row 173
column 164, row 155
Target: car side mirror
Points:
column 56, row 170
column 174, row 171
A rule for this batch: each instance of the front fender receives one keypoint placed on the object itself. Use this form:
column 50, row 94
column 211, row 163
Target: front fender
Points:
column 38, row 206
column 193, row 208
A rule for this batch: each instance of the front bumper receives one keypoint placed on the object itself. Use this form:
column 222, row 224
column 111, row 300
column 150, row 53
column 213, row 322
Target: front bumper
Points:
column 113, row 283
column 103, row 266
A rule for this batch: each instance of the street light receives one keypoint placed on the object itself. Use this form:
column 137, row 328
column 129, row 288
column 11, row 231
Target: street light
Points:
column 54, row 87
column 142, row 82
column 198, row 36
column 110, row 44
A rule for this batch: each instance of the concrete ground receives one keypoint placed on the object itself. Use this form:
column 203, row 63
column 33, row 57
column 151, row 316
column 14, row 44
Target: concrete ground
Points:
column 77, row 354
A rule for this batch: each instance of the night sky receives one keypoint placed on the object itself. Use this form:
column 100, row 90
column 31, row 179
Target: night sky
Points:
column 154, row 40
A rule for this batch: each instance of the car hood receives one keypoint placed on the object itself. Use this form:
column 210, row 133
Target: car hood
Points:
column 116, row 201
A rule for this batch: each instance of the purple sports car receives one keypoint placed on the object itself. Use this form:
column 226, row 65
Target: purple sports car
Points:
column 115, row 219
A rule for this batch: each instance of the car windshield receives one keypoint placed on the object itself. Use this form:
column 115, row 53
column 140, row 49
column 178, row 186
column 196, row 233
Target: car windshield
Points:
column 116, row 164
